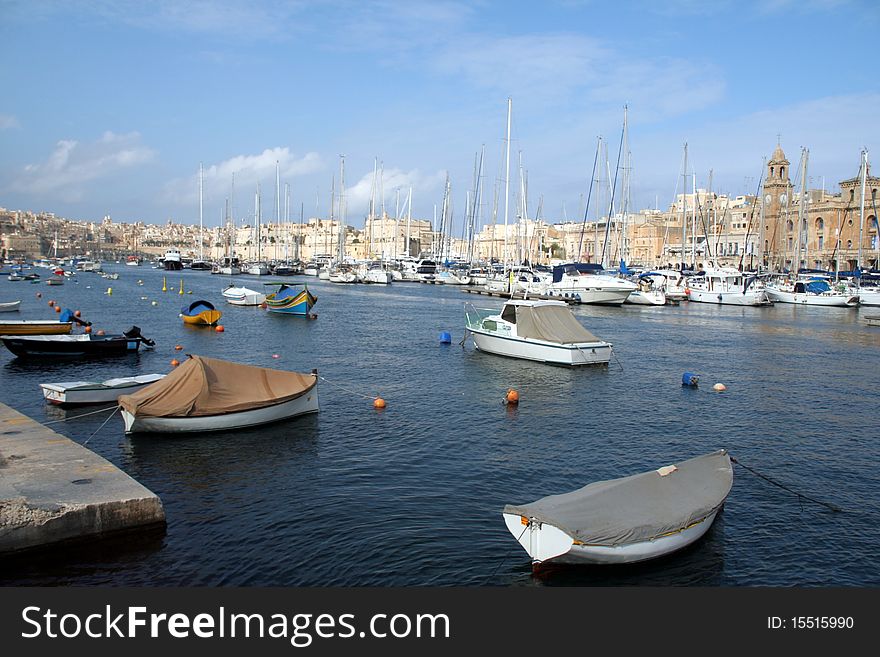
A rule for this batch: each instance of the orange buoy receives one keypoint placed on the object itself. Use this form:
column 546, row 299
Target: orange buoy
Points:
column 219, row 328
column 51, row 303
column 57, row 309
column 378, row 402
column 687, row 291
column 88, row 329
column 175, row 363
column 178, row 347
column 512, row 396
column 77, row 313
column 100, row 332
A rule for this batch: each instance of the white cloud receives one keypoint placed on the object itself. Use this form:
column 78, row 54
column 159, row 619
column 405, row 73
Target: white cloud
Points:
column 8, row 122
column 72, row 165
column 248, row 171
column 357, row 197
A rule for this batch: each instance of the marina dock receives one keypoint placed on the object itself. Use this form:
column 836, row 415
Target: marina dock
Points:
column 54, row 490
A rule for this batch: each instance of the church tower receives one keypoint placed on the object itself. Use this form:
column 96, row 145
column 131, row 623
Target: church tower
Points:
column 777, row 201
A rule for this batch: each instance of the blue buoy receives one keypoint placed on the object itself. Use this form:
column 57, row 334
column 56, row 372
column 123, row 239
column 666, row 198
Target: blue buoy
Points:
column 689, row 379
column 445, row 338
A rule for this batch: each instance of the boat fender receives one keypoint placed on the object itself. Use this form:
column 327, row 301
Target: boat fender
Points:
column 445, row 338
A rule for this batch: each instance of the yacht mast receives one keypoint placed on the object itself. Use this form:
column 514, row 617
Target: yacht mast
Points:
column 507, row 183
column 864, row 168
column 684, row 206
column 201, row 241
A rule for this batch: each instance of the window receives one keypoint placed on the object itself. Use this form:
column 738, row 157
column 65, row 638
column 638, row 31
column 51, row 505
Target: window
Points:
column 509, row 314
column 821, row 242
column 789, row 225
column 782, row 172
column 820, row 224
column 849, row 244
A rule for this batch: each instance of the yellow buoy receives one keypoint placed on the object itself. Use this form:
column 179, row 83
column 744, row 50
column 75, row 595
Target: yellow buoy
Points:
column 109, row 290
column 181, row 286
column 164, row 285
column 378, row 402
column 719, row 387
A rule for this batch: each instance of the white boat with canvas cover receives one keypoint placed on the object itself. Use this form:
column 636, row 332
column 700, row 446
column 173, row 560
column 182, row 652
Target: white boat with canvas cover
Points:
column 209, row 394
column 625, row 520
column 90, row 392
column 545, row 331
column 242, row 296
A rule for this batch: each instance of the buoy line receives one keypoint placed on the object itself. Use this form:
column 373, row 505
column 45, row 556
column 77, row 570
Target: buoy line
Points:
column 354, row 392
column 784, row 487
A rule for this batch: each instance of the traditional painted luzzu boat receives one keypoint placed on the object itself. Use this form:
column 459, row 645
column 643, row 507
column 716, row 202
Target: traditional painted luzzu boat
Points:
column 625, row 520
column 208, row 394
column 289, row 300
column 200, row 313
column 90, row 392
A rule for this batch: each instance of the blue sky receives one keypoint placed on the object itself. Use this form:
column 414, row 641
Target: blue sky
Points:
column 110, row 107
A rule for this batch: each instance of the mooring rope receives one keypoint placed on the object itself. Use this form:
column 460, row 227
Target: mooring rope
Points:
column 504, row 557
column 782, row 486
column 354, row 392
column 74, row 417
column 102, row 425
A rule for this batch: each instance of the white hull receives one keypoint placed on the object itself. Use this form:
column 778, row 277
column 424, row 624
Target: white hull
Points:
column 10, row 306
column 310, row 271
column 257, row 270
column 599, row 296
column 307, row 403
column 808, row 299
column 734, row 298
column 230, row 271
column 85, row 392
column 378, row 276
column 242, row 296
column 546, row 543
column 869, row 296
column 649, row 298
column 584, row 353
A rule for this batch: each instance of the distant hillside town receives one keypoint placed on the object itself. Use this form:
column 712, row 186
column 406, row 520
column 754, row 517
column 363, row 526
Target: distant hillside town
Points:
column 785, row 222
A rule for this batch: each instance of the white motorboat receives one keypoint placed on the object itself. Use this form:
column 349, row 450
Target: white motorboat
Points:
column 587, row 283
column 647, row 293
column 172, row 260
column 869, row 296
column 89, row 392
column 208, row 394
column 375, row 273
column 727, row 286
column 545, row 331
column 812, row 292
column 256, row 269
column 342, row 274
column 239, row 295
column 10, row 306
column 625, row 520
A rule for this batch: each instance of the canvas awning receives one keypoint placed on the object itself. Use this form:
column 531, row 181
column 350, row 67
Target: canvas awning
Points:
column 209, row 386
column 551, row 322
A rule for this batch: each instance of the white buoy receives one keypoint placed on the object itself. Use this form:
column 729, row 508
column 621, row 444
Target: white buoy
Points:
column 719, row 387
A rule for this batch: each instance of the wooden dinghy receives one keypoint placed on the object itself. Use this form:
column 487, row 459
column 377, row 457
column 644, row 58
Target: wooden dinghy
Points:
column 625, row 520
column 10, row 306
column 200, row 313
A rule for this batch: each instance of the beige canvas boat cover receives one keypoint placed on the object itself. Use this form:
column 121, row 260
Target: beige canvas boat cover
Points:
column 552, row 323
column 639, row 508
column 209, row 386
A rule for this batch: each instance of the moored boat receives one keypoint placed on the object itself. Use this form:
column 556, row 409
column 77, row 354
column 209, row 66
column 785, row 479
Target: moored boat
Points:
column 200, row 313
column 34, row 327
column 10, row 306
column 239, row 295
column 812, row 292
column 287, row 299
column 90, row 392
column 75, row 346
column 727, row 286
column 209, row 394
column 626, row 520
column 545, row 331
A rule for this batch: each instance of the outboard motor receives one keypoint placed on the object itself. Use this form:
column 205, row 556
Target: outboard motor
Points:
column 134, row 333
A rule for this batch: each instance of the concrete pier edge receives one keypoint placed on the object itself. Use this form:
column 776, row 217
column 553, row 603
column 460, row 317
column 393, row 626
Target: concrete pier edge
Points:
column 54, row 491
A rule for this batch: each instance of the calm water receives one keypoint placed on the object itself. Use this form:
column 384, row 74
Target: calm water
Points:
column 412, row 495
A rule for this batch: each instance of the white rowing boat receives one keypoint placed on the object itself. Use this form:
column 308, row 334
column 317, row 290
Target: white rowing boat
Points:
column 90, row 392
column 625, row 520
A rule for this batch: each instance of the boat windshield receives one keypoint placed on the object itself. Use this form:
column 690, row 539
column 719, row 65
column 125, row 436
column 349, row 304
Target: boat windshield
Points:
column 509, row 313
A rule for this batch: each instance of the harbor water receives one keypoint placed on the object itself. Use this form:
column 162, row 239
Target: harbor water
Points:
column 412, row 494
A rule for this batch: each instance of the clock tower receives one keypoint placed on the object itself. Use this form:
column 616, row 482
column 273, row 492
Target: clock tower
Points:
column 777, row 200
